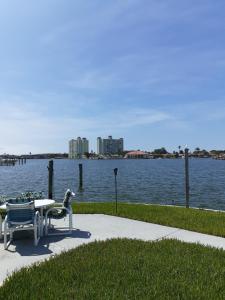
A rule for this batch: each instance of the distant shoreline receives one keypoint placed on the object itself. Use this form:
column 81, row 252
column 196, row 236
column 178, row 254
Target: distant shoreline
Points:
column 15, row 159
column 214, row 154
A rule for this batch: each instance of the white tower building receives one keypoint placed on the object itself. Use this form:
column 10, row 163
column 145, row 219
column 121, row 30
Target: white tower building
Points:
column 78, row 147
column 109, row 145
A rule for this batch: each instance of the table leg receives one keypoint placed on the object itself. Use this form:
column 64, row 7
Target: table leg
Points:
column 0, row 226
column 42, row 220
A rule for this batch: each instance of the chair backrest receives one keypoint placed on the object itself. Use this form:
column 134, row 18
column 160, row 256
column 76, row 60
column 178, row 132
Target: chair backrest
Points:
column 67, row 198
column 20, row 213
column 18, row 201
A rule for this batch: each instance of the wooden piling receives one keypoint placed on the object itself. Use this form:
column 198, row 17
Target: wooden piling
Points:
column 115, row 174
column 50, row 179
column 80, row 177
column 187, row 187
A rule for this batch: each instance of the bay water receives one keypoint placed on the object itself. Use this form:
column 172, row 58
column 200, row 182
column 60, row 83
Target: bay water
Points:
column 158, row 181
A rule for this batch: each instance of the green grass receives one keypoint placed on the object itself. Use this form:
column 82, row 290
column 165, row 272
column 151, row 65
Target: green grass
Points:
column 124, row 269
column 191, row 219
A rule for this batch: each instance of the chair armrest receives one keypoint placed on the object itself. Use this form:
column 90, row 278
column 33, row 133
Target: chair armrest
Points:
column 55, row 208
column 55, row 205
column 58, row 204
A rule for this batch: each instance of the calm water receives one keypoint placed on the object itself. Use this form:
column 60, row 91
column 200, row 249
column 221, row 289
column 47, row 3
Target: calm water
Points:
column 147, row 181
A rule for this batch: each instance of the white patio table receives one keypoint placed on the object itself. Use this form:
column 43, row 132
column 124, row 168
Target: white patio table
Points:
column 39, row 204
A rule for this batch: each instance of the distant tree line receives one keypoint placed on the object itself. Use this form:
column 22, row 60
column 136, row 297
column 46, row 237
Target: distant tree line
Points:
column 156, row 153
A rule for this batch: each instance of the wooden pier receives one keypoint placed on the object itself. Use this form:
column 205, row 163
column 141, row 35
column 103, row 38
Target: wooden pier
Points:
column 8, row 162
column 12, row 161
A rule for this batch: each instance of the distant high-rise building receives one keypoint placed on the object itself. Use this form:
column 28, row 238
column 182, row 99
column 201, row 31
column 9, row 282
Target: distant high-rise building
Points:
column 78, row 147
column 109, row 146
column 99, row 145
column 85, row 146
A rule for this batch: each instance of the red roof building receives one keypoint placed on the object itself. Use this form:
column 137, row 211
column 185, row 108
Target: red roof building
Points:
column 137, row 154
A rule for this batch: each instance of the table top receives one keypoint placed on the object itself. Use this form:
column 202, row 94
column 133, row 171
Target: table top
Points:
column 37, row 203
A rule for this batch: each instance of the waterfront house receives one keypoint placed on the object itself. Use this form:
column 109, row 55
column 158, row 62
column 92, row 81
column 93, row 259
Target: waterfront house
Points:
column 137, row 154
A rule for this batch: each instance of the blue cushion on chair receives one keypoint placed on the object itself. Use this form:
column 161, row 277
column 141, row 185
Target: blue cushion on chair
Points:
column 18, row 201
column 20, row 213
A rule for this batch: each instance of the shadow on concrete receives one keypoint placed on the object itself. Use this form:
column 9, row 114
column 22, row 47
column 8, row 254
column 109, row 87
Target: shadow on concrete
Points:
column 81, row 234
column 76, row 233
column 25, row 246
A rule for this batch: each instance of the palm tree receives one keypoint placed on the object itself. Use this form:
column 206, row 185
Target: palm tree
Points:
column 179, row 147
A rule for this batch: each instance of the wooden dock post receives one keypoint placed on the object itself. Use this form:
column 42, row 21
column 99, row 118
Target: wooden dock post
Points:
column 187, row 187
column 80, row 177
column 115, row 174
column 50, row 179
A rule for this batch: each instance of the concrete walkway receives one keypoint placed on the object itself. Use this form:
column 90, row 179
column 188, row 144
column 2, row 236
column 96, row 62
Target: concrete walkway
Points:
column 89, row 228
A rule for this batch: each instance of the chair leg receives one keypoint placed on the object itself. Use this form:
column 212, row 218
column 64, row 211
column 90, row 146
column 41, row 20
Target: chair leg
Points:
column 11, row 235
column 46, row 225
column 39, row 229
column 70, row 222
column 5, row 236
column 68, row 229
column 35, row 235
column 50, row 225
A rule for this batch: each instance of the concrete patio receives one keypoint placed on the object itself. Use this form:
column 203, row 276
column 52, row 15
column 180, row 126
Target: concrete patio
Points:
column 88, row 228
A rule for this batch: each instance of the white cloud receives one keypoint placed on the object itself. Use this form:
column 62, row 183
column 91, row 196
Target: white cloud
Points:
column 137, row 117
column 29, row 127
column 24, row 128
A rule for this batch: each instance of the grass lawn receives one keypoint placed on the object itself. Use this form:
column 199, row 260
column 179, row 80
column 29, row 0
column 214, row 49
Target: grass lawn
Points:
column 191, row 219
column 124, row 269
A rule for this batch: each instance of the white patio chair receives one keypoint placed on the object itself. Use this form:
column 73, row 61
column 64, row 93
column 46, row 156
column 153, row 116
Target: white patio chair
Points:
column 61, row 211
column 21, row 217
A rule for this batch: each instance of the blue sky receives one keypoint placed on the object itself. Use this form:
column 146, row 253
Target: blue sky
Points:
column 151, row 71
